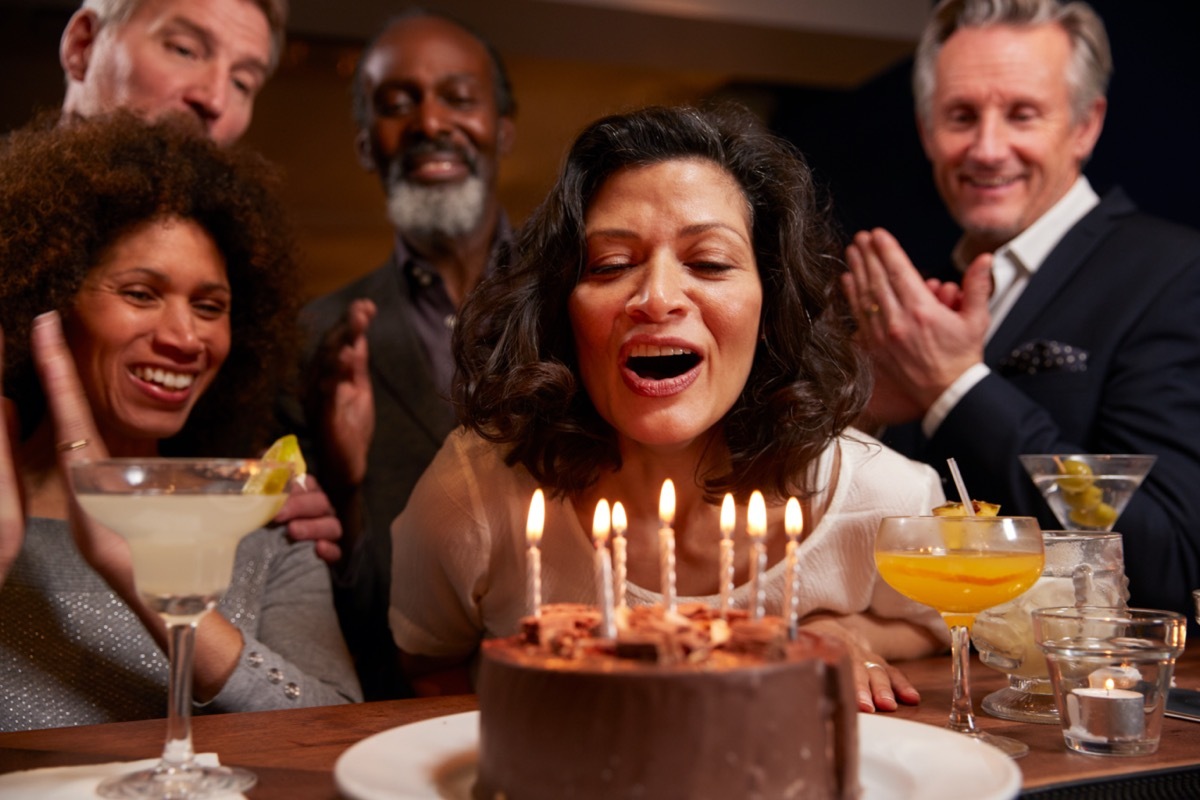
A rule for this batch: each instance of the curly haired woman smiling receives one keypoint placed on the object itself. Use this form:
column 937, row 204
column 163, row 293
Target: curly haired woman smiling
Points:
column 166, row 261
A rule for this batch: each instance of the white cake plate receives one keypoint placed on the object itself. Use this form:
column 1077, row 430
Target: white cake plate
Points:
column 435, row 759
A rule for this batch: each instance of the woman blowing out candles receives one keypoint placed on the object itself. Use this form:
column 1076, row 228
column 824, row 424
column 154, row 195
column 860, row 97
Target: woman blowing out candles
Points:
column 164, row 263
column 671, row 311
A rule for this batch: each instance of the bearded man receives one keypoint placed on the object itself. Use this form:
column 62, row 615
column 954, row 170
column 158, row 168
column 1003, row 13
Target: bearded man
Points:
column 435, row 112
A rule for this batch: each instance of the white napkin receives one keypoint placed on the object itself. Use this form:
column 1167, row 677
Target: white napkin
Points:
column 77, row 783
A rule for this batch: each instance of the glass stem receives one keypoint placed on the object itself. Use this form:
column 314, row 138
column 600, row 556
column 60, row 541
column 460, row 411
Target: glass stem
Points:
column 178, row 753
column 962, row 719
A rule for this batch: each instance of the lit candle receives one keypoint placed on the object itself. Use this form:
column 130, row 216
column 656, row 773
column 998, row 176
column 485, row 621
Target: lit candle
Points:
column 619, row 524
column 533, row 560
column 666, row 544
column 1107, row 714
column 728, row 521
column 1115, row 678
column 601, row 523
column 793, row 524
column 756, row 527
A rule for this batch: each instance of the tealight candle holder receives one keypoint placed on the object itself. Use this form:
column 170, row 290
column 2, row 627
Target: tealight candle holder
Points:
column 1110, row 669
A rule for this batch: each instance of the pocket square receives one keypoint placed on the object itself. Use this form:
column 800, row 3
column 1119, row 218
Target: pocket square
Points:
column 1044, row 356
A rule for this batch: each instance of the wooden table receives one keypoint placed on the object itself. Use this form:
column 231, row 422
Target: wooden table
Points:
column 294, row 752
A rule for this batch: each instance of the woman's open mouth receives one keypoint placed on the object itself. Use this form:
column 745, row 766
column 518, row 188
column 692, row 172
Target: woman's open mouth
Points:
column 671, row 363
column 660, row 370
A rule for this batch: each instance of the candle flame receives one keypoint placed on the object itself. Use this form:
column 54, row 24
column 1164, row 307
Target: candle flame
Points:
column 756, row 516
column 793, row 518
column 537, row 518
column 601, row 523
column 666, row 503
column 1109, row 684
column 728, row 516
column 619, row 522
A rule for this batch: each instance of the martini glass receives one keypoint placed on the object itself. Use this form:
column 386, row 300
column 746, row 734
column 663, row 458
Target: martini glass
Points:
column 182, row 519
column 961, row 566
column 1087, row 492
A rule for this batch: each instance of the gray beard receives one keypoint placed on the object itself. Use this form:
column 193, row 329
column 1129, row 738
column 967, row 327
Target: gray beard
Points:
column 433, row 213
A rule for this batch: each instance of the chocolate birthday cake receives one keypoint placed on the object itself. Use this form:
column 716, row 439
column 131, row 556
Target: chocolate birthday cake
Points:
column 680, row 705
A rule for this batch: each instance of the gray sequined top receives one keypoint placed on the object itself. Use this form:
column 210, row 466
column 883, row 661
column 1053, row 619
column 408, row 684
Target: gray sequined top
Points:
column 72, row 652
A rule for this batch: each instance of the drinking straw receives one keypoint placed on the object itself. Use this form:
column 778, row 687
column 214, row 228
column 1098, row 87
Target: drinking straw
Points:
column 968, row 506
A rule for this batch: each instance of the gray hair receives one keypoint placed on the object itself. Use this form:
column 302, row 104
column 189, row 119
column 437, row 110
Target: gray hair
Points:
column 1091, row 59
column 117, row 12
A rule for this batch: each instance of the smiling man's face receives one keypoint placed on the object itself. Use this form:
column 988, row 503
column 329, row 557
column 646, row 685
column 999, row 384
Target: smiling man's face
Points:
column 1001, row 135
column 435, row 134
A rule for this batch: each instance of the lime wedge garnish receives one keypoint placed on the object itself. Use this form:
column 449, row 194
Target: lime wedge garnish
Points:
column 273, row 480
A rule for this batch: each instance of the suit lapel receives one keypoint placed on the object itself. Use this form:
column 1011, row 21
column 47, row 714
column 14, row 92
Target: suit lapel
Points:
column 1063, row 262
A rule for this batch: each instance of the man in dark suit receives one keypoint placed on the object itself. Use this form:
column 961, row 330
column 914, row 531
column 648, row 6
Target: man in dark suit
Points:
column 435, row 113
column 1075, row 328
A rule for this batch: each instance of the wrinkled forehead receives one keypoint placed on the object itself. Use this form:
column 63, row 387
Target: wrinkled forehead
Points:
column 241, row 26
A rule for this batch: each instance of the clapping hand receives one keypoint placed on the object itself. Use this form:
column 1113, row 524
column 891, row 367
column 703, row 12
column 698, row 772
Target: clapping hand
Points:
column 347, row 401
column 921, row 335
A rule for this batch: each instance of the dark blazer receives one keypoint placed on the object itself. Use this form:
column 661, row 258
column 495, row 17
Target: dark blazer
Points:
column 1122, row 292
column 411, row 420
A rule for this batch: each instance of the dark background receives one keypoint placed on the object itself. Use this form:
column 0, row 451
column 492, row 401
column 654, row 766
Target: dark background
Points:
column 861, row 141
column 863, row 144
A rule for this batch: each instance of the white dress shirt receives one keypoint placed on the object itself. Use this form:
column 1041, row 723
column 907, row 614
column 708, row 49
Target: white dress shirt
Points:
column 1012, row 267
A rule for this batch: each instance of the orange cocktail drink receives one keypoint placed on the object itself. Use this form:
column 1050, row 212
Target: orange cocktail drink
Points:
column 959, row 583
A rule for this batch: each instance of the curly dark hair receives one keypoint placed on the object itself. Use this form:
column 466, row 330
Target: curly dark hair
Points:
column 70, row 191
column 518, row 378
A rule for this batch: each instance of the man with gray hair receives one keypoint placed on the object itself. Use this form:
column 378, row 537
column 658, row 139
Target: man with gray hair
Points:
column 203, row 58
column 435, row 114
column 1070, row 325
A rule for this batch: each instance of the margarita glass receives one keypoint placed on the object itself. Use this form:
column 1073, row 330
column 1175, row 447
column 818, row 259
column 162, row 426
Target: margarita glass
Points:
column 961, row 566
column 182, row 519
